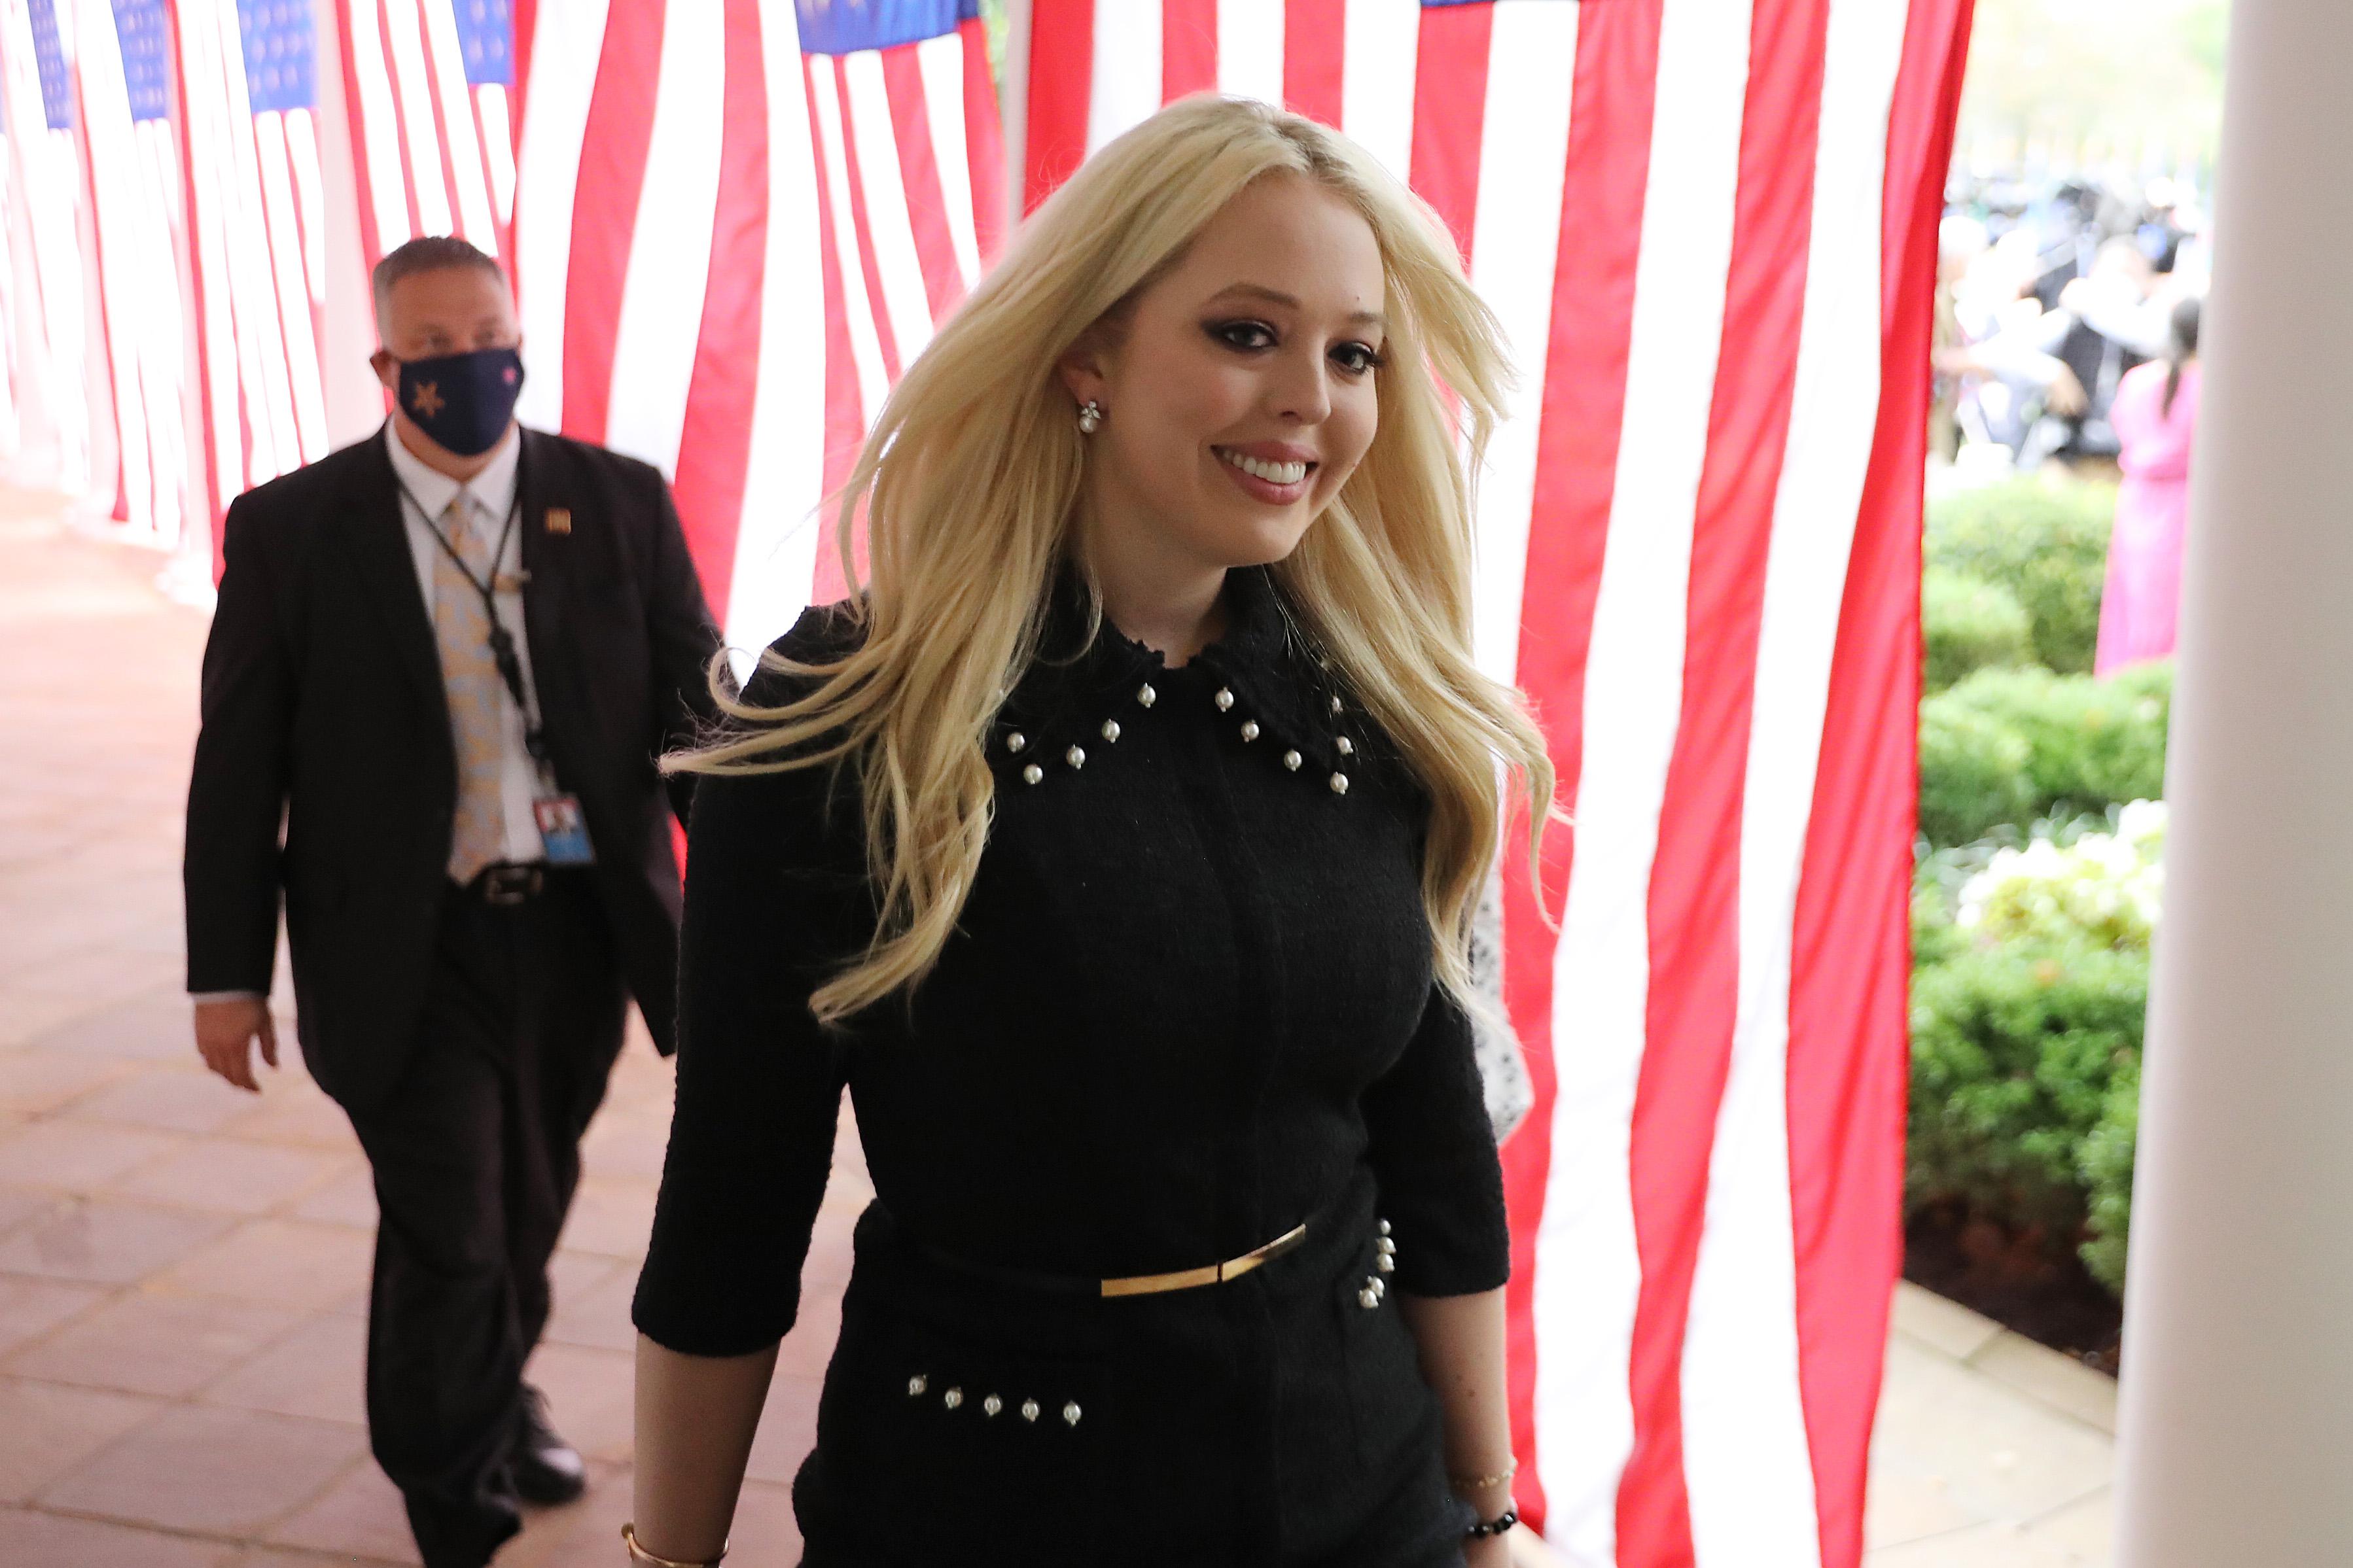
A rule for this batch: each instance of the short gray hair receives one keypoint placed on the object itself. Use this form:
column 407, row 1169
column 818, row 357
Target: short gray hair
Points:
column 427, row 253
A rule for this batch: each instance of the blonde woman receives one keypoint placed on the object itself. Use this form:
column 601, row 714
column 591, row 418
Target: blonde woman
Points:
column 1116, row 848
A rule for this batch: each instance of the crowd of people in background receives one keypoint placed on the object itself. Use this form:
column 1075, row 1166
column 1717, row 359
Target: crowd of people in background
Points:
column 2066, row 332
column 2048, row 297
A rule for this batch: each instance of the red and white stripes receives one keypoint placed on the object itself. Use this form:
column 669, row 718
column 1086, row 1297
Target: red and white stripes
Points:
column 258, row 240
column 724, row 261
column 435, row 154
column 1698, row 555
column 133, row 180
column 44, row 176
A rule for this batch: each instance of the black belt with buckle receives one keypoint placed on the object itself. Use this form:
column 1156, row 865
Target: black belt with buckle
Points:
column 508, row 883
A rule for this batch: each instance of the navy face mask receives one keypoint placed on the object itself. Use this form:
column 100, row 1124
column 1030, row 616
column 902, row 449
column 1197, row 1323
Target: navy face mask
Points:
column 463, row 401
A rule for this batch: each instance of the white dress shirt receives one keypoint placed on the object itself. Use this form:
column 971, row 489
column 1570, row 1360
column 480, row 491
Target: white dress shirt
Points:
column 491, row 493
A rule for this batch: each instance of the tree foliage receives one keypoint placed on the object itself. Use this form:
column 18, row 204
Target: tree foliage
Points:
column 2088, row 74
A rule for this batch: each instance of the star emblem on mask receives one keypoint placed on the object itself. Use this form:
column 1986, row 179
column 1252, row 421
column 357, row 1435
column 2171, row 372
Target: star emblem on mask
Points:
column 426, row 402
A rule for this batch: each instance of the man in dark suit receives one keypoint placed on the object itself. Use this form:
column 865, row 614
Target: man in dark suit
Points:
column 445, row 658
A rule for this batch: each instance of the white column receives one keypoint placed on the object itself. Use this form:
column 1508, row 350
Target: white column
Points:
column 2237, row 1430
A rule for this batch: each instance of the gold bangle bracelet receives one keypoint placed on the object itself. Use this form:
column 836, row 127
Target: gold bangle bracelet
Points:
column 639, row 1555
column 1477, row 1483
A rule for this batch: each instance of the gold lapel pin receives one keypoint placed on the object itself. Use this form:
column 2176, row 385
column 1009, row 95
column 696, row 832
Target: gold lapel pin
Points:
column 559, row 520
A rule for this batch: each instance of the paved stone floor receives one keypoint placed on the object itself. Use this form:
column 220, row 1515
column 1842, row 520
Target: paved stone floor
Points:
column 183, row 1267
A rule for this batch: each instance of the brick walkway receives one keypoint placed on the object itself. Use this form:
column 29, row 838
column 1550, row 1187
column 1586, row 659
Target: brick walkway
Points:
column 183, row 1267
column 1990, row 1452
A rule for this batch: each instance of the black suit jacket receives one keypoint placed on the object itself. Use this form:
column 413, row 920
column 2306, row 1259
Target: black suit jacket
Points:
column 324, row 711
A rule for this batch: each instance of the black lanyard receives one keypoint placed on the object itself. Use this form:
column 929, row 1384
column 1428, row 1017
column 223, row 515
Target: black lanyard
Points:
column 502, row 641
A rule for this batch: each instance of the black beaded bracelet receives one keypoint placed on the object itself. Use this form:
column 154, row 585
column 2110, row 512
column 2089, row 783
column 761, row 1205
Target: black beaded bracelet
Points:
column 1495, row 1526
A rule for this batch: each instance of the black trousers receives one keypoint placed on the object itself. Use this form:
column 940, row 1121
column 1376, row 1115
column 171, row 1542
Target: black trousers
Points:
column 476, row 1154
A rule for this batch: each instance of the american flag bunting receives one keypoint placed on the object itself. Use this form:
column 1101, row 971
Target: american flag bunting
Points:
column 130, row 156
column 45, row 173
column 735, row 224
column 428, row 86
column 247, row 87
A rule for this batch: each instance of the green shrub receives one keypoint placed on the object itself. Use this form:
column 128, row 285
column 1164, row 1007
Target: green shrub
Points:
column 1973, row 774
column 2148, row 690
column 2030, row 984
column 1934, row 938
column 2047, row 542
column 2105, row 1163
column 2016, row 1051
column 1967, row 623
column 2091, row 743
column 2007, row 746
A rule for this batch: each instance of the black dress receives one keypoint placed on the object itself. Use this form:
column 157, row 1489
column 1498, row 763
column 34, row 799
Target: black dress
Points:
column 1189, row 1006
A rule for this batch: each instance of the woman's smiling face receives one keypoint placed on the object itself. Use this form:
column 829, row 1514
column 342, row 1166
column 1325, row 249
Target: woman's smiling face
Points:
column 1238, row 393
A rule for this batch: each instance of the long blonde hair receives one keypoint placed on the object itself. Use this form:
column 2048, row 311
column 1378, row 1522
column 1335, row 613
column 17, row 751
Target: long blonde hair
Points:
column 970, row 485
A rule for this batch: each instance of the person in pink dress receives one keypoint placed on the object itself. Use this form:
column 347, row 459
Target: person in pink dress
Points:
column 2155, row 415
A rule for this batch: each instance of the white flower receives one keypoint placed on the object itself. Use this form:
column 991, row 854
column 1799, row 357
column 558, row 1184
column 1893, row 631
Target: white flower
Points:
column 2142, row 822
column 2105, row 887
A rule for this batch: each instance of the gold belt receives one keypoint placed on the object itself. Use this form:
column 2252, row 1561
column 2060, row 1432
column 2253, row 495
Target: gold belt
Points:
column 1208, row 1273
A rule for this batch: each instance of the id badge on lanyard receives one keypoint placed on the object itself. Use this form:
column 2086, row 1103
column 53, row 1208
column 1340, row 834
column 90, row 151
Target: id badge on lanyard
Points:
column 563, row 826
column 562, row 831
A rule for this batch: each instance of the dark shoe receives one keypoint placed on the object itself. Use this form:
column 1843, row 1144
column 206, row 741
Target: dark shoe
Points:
column 547, row 1468
column 449, row 1535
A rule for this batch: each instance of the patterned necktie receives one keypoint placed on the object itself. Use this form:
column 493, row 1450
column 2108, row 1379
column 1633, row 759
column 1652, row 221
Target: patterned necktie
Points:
column 470, row 676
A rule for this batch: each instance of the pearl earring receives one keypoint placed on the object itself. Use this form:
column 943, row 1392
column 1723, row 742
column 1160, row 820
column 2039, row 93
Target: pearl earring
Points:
column 1091, row 416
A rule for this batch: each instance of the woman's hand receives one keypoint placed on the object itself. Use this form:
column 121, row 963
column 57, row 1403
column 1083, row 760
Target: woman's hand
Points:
column 1491, row 1551
column 1527, row 1550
